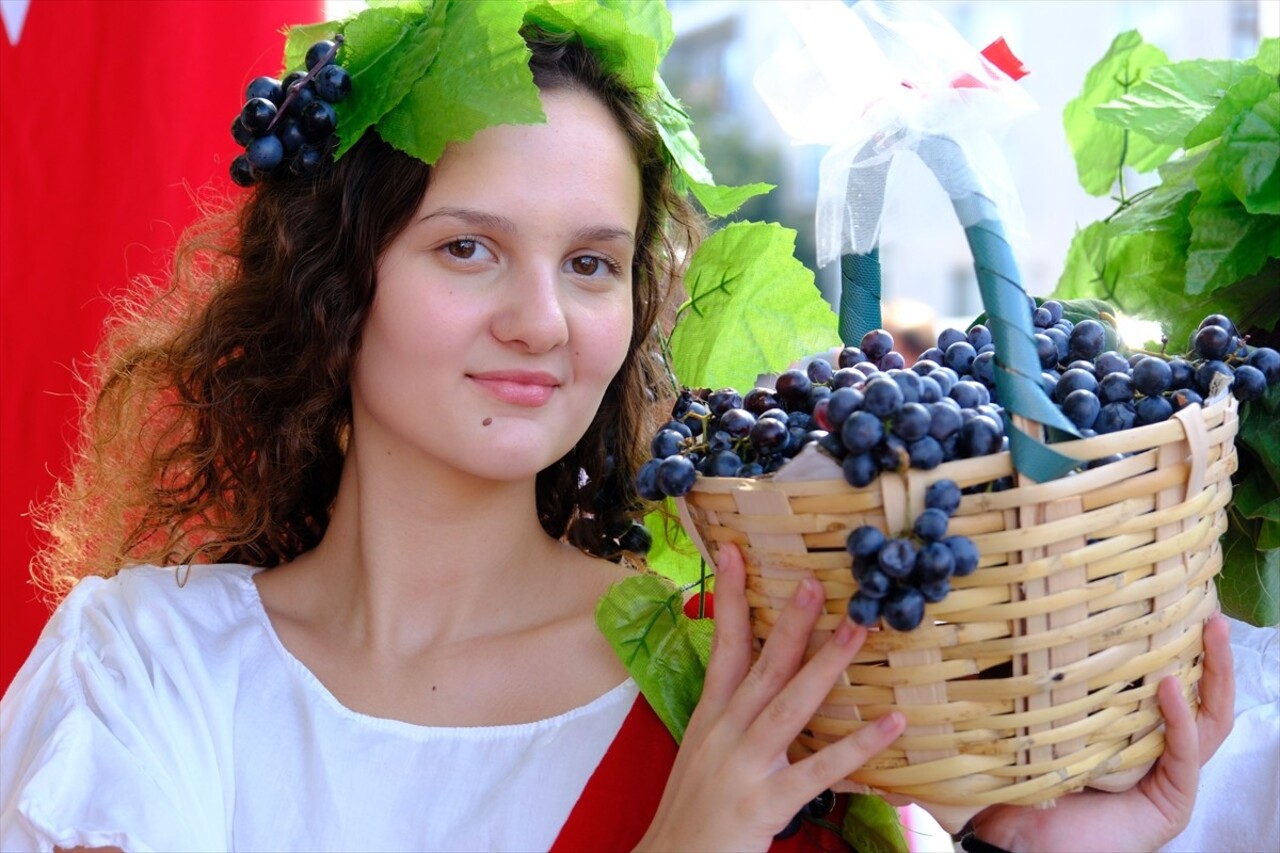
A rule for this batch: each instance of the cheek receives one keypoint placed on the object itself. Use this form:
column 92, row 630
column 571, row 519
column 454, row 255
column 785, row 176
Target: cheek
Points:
column 606, row 337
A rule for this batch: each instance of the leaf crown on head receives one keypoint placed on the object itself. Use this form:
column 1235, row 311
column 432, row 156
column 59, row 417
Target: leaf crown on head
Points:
column 425, row 73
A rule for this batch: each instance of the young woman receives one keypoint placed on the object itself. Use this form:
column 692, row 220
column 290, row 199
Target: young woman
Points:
column 383, row 423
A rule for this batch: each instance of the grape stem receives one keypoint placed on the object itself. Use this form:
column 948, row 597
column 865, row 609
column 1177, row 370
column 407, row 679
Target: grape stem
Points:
column 311, row 75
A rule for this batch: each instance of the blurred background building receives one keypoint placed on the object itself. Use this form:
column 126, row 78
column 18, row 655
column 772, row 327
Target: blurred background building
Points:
column 720, row 44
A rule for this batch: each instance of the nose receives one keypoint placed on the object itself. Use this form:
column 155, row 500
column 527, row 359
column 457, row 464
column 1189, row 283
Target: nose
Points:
column 532, row 314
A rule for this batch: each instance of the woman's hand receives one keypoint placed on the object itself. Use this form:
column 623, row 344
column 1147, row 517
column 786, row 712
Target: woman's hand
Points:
column 732, row 787
column 1154, row 811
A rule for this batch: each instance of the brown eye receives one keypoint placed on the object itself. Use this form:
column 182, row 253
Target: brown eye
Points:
column 464, row 249
column 586, row 265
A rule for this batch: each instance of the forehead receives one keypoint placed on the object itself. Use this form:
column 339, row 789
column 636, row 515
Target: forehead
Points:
column 580, row 160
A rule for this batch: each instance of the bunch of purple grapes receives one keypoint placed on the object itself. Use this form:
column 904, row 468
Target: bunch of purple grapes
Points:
column 287, row 126
column 1103, row 392
column 872, row 413
column 898, row 575
column 868, row 411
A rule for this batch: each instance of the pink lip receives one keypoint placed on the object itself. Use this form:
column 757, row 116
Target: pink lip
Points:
column 518, row 387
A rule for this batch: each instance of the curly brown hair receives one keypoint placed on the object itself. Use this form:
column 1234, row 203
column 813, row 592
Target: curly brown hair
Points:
column 218, row 406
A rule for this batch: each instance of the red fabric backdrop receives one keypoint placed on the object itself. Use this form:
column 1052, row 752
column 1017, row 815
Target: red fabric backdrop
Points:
column 111, row 113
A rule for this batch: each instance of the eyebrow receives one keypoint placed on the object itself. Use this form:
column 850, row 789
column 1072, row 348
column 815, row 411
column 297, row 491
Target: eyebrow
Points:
column 493, row 221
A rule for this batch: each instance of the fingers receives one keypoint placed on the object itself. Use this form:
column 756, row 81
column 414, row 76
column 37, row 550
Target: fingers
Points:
column 781, row 657
column 731, row 643
column 834, row 762
column 1217, row 689
column 789, row 710
column 1177, row 773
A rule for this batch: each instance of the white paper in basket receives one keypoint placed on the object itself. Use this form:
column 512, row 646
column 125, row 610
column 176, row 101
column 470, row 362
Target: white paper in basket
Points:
column 879, row 78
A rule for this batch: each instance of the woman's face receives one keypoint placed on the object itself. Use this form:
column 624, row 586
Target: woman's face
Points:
column 503, row 310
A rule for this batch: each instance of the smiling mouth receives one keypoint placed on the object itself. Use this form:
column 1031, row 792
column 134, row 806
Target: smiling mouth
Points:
column 518, row 389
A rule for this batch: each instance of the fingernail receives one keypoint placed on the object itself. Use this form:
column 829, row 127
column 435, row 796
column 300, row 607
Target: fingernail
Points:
column 805, row 592
column 889, row 722
column 845, row 633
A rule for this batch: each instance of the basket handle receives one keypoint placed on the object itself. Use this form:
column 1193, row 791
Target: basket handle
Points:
column 1017, row 366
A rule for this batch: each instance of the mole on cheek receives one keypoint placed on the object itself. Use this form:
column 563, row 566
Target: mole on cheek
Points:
column 486, row 422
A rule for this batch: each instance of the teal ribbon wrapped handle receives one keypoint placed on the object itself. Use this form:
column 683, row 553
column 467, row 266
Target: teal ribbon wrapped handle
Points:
column 1017, row 366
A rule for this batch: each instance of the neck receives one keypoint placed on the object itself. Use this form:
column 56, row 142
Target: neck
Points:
column 415, row 558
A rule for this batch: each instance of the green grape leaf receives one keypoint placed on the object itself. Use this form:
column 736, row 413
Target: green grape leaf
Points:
column 1256, row 497
column 631, row 38
column 676, row 129
column 677, row 134
column 1249, row 584
column 1174, row 98
column 1135, row 261
column 665, row 651
column 1242, row 95
column 1227, row 244
column 673, row 554
column 1268, row 57
column 752, row 308
column 1248, row 158
column 486, row 81
column 1100, row 149
column 300, row 37
column 1085, row 264
column 386, row 50
column 721, row 201
column 1259, row 436
column 871, row 825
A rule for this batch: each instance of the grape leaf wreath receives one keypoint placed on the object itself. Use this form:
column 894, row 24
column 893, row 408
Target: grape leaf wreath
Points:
column 419, row 98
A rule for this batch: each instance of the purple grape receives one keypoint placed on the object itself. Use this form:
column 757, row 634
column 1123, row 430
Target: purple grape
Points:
column 1249, row 384
column 1115, row 387
column 979, row 336
column 860, row 469
column 965, row 555
column 666, row 442
column 911, row 422
column 1082, row 408
column 759, row 400
column 1110, row 362
column 849, row 356
column 1211, row 342
column 934, row 562
column 861, row 431
column 926, row 453
column 863, row 610
column 676, row 476
column 903, row 609
column 881, row 397
column 876, row 344
column 943, row 495
column 865, row 542
column 647, row 481
column 1266, row 360
column 1087, row 340
column 1152, row 376
column 931, row 525
column 908, row 383
column 819, row 371
column 959, row 357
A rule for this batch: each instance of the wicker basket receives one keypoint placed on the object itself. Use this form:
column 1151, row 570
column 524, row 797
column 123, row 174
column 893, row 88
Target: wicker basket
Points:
column 1037, row 675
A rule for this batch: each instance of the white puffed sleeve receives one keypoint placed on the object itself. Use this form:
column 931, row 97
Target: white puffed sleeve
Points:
column 94, row 749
